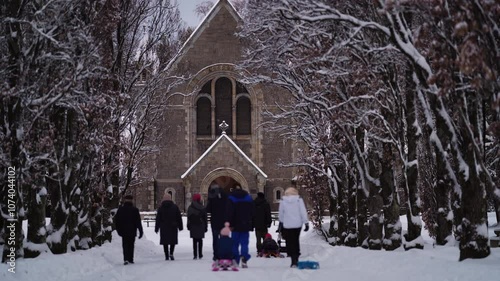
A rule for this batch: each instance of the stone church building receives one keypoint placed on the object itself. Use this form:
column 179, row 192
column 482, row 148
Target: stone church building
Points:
column 196, row 151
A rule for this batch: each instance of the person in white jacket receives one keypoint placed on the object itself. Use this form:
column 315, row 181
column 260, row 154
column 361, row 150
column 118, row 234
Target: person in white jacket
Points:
column 292, row 215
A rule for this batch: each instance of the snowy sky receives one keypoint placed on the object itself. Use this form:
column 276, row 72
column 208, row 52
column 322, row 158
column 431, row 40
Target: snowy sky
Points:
column 186, row 8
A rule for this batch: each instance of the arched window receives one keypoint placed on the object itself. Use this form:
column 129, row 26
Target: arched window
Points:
column 214, row 104
column 243, row 117
column 278, row 193
column 171, row 191
column 203, row 117
column 223, row 104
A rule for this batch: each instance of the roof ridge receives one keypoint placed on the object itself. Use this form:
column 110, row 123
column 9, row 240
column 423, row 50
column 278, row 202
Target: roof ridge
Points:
column 199, row 29
column 238, row 149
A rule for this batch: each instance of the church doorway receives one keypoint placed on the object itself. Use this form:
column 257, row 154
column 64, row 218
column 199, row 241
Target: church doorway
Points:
column 227, row 178
column 226, row 183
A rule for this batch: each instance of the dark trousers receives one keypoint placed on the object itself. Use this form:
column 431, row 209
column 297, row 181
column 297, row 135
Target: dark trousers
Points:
column 168, row 250
column 197, row 246
column 128, row 248
column 260, row 235
column 292, row 242
column 215, row 238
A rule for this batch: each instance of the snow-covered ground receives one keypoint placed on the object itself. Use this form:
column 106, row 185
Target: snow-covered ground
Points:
column 337, row 263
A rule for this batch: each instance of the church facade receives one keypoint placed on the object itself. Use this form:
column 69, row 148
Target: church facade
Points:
column 212, row 131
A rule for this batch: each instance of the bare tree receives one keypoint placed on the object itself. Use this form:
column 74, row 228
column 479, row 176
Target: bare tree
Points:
column 364, row 94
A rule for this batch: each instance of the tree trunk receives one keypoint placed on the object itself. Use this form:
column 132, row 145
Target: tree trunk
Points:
column 57, row 237
column 333, row 233
column 72, row 224
column 84, row 226
column 61, row 180
column 474, row 225
column 2, row 224
column 361, row 198
column 438, row 209
column 351, row 239
column 392, row 225
column 96, row 224
column 342, row 207
column 13, row 180
column 112, row 199
column 375, row 205
column 37, row 231
column 413, row 236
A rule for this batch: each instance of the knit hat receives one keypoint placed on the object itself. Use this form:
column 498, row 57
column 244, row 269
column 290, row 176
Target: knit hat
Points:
column 197, row 197
column 268, row 235
column 225, row 231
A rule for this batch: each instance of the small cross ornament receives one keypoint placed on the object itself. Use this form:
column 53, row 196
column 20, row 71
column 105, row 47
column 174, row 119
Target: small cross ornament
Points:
column 223, row 126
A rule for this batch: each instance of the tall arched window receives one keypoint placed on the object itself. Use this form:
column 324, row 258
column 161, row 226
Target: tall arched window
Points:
column 223, row 104
column 203, row 117
column 214, row 104
column 243, row 119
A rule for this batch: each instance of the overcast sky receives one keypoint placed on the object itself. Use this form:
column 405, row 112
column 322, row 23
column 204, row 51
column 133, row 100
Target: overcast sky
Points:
column 186, row 7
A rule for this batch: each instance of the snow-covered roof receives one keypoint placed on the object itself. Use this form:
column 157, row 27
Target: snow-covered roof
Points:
column 236, row 147
column 201, row 27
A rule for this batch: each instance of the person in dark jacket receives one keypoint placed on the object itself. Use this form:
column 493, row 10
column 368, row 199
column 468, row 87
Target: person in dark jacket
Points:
column 240, row 212
column 262, row 219
column 168, row 221
column 197, row 224
column 216, row 207
column 127, row 222
column 269, row 247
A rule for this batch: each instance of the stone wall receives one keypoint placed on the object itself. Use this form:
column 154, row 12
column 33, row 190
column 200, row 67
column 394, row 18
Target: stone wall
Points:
column 179, row 147
column 216, row 44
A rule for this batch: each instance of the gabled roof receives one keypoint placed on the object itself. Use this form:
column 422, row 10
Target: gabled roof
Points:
column 223, row 137
column 221, row 4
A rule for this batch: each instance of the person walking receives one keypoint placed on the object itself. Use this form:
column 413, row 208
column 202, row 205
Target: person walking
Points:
column 197, row 225
column 240, row 212
column 127, row 222
column 168, row 222
column 292, row 215
column 262, row 219
column 216, row 207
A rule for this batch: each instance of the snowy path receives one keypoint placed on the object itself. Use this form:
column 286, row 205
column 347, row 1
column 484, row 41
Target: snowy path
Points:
column 337, row 263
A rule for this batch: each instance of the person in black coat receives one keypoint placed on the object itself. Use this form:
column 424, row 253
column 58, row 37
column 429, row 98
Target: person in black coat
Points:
column 262, row 219
column 240, row 213
column 216, row 207
column 168, row 221
column 269, row 247
column 197, row 224
column 127, row 222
